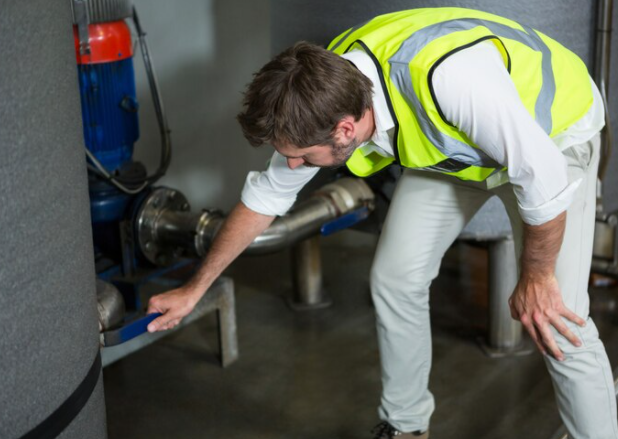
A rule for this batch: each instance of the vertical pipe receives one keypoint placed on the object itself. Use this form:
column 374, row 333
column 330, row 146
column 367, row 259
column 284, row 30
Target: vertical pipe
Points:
column 226, row 315
column 504, row 332
column 601, row 77
column 307, row 276
column 603, row 44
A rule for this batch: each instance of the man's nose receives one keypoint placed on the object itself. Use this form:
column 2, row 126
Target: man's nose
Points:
column 295, row 163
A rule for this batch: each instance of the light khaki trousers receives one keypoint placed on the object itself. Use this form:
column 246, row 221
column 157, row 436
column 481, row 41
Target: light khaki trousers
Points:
column 427, row 213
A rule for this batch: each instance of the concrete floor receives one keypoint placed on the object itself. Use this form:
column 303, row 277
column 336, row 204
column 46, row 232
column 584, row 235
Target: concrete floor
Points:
column 316, row 375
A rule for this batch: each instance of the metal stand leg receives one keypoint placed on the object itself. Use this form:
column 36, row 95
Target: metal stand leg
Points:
column 505, row 334
column 226, row 317
column 308, row 292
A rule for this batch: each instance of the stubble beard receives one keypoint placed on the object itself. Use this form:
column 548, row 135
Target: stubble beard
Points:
column 341, row 153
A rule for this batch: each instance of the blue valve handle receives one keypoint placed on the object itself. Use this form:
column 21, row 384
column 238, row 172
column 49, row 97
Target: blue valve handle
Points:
column 129, row 331
column 345, row 221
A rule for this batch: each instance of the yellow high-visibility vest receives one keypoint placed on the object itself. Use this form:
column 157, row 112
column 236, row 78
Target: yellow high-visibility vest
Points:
column 406, row 47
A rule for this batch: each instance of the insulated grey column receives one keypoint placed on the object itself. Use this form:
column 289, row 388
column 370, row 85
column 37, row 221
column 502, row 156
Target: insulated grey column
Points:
column 49, row 334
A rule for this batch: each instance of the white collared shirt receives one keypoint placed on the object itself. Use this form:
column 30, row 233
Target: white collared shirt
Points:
column 466, row 85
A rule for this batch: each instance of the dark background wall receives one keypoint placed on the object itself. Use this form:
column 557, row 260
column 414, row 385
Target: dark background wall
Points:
column 571, row 22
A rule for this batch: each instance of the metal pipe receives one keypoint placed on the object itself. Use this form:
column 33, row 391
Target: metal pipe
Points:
column 504, row 335
column 603, row 42
column 299, row 224
column 331, row 201
column 605, row 231
column 601, row 74
column 504, row 331
column 110, row 305
column 166, row 229
column 309, row 292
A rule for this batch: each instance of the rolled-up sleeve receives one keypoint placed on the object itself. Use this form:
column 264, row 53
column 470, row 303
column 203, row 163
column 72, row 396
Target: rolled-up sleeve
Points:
column 477, row 95
column 550, row 209
column 273, row 191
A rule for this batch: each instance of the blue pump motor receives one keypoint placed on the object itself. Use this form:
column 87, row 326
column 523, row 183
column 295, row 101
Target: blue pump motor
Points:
column 109, row 112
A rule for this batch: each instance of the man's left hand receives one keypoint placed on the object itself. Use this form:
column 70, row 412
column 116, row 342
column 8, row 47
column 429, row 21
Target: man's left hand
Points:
column 537, row 304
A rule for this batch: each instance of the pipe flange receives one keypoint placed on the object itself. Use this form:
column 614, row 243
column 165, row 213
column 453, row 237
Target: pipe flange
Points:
column 158, row 201
column 207, row 228
column 349, row 193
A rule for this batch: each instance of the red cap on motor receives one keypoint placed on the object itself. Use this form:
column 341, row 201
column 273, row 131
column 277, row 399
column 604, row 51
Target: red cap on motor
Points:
column 108, row 42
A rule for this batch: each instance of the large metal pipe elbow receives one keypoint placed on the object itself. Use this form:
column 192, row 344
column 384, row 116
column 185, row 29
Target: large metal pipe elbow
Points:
column 304, row 220
column 166, row 229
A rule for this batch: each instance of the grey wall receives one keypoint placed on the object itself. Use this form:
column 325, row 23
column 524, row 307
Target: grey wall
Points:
column 568, row 21
column 204, row 53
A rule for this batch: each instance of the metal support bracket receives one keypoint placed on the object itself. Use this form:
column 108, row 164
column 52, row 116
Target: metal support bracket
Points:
column 220, row 298
column 81, row 16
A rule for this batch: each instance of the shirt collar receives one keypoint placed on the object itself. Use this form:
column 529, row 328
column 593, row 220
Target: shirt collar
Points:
column 381, row 141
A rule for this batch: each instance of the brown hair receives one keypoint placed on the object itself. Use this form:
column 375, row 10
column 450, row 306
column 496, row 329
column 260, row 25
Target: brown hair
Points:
column 301, row 95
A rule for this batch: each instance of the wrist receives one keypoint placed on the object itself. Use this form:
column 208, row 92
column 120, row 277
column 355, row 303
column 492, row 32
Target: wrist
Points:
column 194, row 292
column 537, row 275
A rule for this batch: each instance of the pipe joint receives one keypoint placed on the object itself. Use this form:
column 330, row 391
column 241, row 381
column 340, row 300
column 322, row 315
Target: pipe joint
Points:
column 166, row 229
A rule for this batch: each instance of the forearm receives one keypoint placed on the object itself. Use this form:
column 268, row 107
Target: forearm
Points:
column 240, row 229
column 541, row 247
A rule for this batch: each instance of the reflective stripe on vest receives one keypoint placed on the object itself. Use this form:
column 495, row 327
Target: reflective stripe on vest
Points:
column 457, row 154
column 450, row 147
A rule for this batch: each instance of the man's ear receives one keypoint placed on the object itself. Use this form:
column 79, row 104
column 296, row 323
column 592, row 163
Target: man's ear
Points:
column 346, row 129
